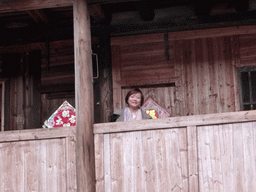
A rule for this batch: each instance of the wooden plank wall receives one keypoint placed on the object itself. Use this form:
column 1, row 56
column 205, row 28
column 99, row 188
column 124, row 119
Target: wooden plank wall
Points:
column 38, row 160
column 203, row 67
column 213, row 152
column 57, row 76
column 247, row 50
column 22, row 96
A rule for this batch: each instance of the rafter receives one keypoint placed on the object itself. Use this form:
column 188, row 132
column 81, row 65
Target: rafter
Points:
column 39, row 16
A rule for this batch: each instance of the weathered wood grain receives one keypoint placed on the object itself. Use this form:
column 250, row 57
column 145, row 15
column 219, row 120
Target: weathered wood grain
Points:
column 174, row 122
column 85, row 164
column 192, row 159
column 115, row 50
column 106, row 162
column 71, row 164
column 23, row 135
column 38, row 165
column 2, row 104
column 41, row 161
column 203, row 67
column 202, row 33
column 12, row 6
column 116, row 162
column 239, row 177
column 99, row 162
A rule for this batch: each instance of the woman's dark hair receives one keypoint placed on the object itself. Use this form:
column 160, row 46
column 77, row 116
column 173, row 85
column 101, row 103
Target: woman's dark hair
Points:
column 135, row 90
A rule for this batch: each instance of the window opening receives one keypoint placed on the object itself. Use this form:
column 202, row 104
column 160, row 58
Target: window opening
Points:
column 247, row 77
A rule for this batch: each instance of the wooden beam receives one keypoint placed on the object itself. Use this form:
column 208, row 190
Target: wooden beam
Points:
column 109, row 1
column 176, row 122
column 85, row 165
column 37, row 134
column 39, row 16
column 181, row 35
column 23, row 5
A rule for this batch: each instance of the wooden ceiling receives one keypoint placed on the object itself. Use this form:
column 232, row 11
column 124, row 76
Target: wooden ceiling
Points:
column 20, row 23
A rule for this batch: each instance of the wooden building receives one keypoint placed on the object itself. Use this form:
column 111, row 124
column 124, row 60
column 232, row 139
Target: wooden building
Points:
column 196, row 60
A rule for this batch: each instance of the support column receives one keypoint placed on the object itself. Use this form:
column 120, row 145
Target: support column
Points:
column 85, row 162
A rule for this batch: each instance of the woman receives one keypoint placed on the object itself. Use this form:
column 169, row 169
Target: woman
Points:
column 134, row 99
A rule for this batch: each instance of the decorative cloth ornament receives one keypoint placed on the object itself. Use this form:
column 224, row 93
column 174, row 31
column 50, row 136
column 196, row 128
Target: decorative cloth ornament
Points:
column 64, row 116
column 155, row 110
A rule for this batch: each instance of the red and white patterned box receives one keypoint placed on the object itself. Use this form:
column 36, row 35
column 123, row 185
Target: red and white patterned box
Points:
column 155, row 110
column 64, row 116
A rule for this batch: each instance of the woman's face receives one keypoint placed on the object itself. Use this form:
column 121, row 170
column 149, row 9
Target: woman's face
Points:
column 134, row 100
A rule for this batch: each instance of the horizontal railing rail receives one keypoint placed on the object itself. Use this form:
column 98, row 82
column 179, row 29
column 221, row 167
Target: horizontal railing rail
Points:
column 175, row 122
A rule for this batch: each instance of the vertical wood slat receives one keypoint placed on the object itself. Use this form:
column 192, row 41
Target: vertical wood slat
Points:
column 41, row 165
column 235, row 63
column 212, row 75
column 71, row 164
column 161, row 162
column 2, row 105
column 226, row 152
column 116, row 162
column 201, row 79
column 2, row 167
column 8, row 168
column 249, row 156
column 61, row 164
column 116, row 70
column 188, row 62
column 239, row 177
column 179, row 89
column 216, row 158
column 139, row 177
column 19, row 168
column 33, row 83
column 229, row 78
column 106, row 163
column 29, row 166
column 51, row 165
column 204, row 166
column 100, row 173
column 206, row 74
column 149, row 167
column 192, row 158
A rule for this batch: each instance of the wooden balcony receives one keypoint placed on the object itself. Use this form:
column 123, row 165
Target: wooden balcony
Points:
column 212, row 152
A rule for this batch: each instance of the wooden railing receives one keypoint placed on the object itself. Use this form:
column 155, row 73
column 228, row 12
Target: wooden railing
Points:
column 214, row 152
column 38, row 160
column 196, row 153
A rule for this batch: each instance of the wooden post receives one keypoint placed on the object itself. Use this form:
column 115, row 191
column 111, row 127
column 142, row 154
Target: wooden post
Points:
column 85, row 163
